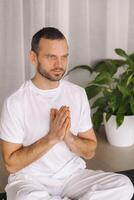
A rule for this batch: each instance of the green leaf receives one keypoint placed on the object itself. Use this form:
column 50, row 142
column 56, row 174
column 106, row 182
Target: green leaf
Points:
column 100, row 66
column 108, row 115
column 132, row 104
column 131, row 56
column 112, row 69
column 119, row 119
column 123, row 90
column 99, row 102
column 103, row 78
column 92, row 91
column 97, row 119
column 107, row 65
column 113, row 101
column 130, row 79
column 130, row 63
column 121, row 53
column 123, row 106
column 118, row 62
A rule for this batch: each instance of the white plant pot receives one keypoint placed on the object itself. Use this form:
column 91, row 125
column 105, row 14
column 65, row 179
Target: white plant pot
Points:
column 122, row 136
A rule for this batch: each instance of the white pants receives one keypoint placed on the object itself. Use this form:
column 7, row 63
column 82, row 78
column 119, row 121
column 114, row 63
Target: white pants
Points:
column 82, row 185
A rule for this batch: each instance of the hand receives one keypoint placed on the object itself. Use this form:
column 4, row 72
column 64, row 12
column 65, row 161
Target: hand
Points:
column 69, row 137
column 59, row 122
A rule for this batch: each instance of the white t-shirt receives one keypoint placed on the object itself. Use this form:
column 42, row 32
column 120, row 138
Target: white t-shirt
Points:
column 25, row 119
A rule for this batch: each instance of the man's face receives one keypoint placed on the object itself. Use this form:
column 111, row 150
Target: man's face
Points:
column 52, row 58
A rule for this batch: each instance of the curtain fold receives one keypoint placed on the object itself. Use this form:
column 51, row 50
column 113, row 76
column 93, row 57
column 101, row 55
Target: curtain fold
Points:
column 93, row 29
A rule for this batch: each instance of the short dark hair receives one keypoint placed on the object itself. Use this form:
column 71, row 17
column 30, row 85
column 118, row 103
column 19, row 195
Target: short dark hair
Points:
column 47, row 33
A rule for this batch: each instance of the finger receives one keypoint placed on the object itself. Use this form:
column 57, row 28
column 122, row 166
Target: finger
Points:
column 52, row 114
column 61, row 117
column 66, row 124
column 63, row 107
column 55, row 112
column 62, row 111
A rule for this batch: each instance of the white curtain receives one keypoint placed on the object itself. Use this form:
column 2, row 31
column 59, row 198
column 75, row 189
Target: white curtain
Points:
column 93, row 29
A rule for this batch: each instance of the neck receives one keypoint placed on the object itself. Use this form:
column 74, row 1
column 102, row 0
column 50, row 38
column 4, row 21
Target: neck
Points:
column 43, row 83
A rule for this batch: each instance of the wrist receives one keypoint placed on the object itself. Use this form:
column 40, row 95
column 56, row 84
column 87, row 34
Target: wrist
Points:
column 52, row 140
column 69, row 138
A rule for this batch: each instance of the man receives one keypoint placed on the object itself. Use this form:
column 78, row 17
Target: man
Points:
column 46, row 129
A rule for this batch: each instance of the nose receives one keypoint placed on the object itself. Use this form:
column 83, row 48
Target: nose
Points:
column 58, row 62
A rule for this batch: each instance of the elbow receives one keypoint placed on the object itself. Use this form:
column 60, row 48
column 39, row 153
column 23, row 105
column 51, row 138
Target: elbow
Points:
column 10, row 169
column 89, row 155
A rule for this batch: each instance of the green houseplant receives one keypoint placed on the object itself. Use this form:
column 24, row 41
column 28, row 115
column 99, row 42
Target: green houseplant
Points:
column 112, row 88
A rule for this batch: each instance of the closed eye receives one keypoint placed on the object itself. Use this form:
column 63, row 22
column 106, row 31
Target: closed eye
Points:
column 50, row 57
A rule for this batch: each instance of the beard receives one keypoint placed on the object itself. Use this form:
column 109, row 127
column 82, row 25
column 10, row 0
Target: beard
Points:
column 54, row 74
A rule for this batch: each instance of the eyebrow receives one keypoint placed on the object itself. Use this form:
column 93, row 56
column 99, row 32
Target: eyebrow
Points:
column 67, row 54
column 55, row 55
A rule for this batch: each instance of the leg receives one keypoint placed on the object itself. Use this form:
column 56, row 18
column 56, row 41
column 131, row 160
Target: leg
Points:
column 21, row 190
column 25, row 188
column 98, row 185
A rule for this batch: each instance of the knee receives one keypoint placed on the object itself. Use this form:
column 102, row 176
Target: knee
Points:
column 127, row 186
column 22, row 194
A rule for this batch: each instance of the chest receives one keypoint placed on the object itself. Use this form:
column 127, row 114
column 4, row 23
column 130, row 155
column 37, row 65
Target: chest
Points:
column 37, row 115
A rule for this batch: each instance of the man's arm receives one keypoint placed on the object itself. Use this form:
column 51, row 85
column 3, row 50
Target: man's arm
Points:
column 83, row 145
column 16, row 156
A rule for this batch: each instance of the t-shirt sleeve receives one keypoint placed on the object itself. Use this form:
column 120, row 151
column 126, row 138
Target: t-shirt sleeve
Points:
column 11, row 122
column 85, row 116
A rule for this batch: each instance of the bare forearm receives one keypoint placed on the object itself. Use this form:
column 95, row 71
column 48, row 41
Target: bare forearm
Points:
column 26, row 155
column 17, row 156
column 82, row 147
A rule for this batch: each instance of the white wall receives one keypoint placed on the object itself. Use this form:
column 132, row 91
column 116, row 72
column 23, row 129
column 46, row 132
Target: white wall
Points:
column 93, row 29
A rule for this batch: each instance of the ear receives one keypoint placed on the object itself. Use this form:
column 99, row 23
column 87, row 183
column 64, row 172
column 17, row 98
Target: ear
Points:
column 33, row 58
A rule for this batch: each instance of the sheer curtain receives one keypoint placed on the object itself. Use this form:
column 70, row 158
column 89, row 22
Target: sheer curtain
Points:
column 93, row 29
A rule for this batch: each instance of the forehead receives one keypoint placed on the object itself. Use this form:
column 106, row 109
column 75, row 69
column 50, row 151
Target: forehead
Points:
column 53, row 46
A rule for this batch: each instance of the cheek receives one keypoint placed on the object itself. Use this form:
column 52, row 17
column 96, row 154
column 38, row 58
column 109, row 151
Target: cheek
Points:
column 46, row 63
column 65, row 62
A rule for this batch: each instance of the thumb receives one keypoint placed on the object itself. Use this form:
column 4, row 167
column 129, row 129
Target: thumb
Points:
column 53, row 113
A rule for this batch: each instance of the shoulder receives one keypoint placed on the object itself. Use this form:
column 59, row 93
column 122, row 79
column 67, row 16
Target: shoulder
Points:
column 16, row 98
column 73, row 87
column 75, row 92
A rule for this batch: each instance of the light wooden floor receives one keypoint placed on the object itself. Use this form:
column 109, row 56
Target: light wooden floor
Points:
column 108, row 158
column 111, row 158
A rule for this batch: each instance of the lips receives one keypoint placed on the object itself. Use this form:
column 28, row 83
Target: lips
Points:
column 58, row 70
column 57, row 73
